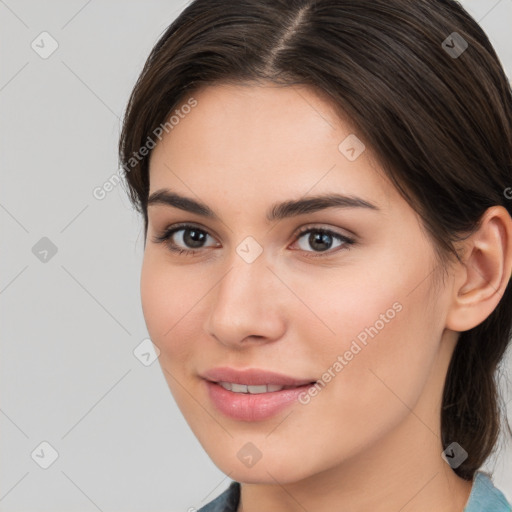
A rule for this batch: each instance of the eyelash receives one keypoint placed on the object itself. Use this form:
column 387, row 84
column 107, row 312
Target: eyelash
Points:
column 167, row 234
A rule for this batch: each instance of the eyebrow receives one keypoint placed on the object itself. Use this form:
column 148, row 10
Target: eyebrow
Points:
column 277, row 211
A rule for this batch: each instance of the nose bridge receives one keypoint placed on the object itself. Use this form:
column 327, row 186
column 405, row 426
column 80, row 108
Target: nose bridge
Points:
column 245, row 302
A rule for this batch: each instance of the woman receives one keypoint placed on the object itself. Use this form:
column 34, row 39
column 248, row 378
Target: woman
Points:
column 325, row 187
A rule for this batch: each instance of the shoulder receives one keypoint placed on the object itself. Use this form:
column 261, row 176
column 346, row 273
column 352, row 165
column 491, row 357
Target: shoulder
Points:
column 225, row 502
column 485, row 497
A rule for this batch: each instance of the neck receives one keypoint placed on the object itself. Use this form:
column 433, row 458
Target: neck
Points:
column 421, row 482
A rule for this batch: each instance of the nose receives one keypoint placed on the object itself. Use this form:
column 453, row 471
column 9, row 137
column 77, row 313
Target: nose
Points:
column 247, row 305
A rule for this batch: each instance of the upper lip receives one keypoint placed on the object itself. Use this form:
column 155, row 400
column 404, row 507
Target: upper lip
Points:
column 252, row 377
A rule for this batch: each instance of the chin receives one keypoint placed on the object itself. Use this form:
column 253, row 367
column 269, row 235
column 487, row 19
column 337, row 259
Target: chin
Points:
column 270, row 470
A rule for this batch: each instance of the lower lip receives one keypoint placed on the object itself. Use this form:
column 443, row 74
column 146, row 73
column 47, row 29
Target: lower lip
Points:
column 253, row 407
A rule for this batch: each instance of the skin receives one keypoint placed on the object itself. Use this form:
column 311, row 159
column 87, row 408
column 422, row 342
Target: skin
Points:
column 370, row 440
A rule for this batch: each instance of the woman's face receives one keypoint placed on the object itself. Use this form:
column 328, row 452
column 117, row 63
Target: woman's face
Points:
column 359, row 316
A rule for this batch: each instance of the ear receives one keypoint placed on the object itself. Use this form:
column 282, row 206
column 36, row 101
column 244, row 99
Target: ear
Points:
column 480, row 282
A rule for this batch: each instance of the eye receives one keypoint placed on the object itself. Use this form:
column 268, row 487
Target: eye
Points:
column 322, row 240
column 180, row 235
column 188, row 239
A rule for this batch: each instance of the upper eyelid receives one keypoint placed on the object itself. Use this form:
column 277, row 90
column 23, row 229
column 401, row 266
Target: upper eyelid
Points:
column 174, row 228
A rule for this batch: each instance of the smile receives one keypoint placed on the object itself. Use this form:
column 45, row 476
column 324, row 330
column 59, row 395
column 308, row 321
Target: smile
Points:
column 254, row 390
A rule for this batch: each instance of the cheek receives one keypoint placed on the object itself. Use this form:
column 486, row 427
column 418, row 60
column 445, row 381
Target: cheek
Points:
column 381, row 334
column 168, row 298
column 155, row 297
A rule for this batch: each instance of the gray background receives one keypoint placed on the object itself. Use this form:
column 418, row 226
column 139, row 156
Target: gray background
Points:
column 70, row 324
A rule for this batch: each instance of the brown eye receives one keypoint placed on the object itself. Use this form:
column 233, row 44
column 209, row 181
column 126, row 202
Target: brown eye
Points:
column 322, row 240
column 184, row 238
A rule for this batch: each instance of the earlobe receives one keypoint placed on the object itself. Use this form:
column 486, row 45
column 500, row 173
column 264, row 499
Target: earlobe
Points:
column 480, row 283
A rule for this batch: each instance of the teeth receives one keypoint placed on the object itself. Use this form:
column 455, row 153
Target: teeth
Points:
column 239, row 388
column 257, row 389
column 244, row 388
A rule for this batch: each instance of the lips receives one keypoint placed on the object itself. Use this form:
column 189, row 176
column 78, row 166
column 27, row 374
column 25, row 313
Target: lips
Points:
column 252, row 394
column 253, row 377
column 253, row 390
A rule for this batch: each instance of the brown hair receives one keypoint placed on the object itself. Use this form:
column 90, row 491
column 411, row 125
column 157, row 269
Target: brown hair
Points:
column 438, row 118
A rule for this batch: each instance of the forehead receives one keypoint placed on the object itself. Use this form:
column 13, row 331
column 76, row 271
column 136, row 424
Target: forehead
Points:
column 269, row 140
